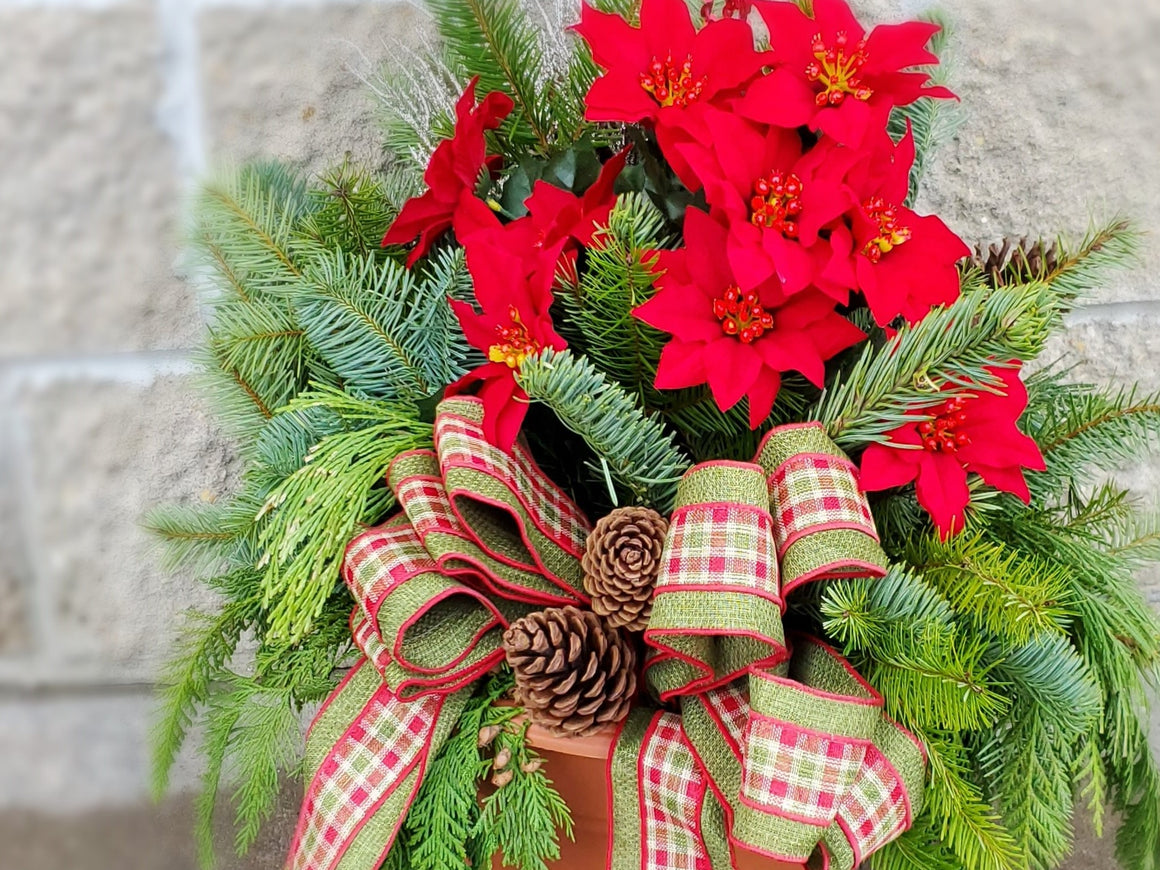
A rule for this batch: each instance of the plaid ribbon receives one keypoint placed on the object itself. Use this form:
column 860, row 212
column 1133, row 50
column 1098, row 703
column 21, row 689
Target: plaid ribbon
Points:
column 791, row 743
column 481, row 539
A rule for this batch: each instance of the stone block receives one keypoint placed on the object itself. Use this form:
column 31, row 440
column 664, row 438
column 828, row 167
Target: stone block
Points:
column 282, row 82
column 89, row 187
column 99, row 454
column 1054, row 136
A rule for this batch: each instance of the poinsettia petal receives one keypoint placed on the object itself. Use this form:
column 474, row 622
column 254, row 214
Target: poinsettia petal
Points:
column 941, row 488
column 706, row 239
column 611, row 39
column 762, row 395
column 893, row 47
column 681, row 365
column 735, row 367
column 505, row 405
column 1008, row 479
column 783, row 98
column 473, row 216
column 723, row 52
column 835, row 16
column 682, row 312
column 668, row 26
column 617, row 96
column 885, row 467
column 794, row 265
column 478, row 333
column 847, row 123
column 751, row 264
column 790, row 33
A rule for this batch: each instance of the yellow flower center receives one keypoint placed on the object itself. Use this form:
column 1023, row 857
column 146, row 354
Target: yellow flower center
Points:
column 515, row 344
column 837, row 69
column 672, row 85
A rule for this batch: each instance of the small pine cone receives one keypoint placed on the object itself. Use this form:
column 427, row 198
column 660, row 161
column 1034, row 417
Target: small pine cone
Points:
column 574, row 673
column 621, row 563
column 1015, row 261
column 502, row 778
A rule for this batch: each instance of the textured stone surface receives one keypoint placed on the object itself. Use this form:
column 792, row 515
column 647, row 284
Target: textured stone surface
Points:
column 1063, row 105
column 88, row 187
column 283, row 82
column 101, row 453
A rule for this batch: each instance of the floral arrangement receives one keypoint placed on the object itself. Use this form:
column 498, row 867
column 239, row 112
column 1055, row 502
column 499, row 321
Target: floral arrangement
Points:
column 635, row 399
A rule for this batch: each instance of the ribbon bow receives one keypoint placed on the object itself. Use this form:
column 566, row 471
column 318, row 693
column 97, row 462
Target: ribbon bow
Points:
column 780, row 747
column 793, row 748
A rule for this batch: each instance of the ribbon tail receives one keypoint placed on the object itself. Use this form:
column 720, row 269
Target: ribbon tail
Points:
column 366, row 753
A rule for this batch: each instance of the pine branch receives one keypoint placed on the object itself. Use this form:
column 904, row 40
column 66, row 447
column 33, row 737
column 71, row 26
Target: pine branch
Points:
column 859, row 614
column 494, row 40
column 639, row 453
column 919, row 848
column 1084, row 267
column 1003, row 593
column 954, row 345
column 1051, row 680
column 386, row 332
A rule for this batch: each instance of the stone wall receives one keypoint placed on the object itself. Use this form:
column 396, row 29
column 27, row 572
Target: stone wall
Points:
column 110, row 108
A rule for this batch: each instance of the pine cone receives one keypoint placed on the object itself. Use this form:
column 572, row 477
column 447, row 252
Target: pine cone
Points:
column 574, row 674
column 1013, row 261
column 621, row 564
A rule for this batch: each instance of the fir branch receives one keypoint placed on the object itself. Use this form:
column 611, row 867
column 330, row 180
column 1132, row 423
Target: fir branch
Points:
column 1051, row 679
column 1083, row 267
column 618, row 276
column 312, row 515
column 207, row 644
column 859, row 613
column 1081, row 428
column 1034, row 789
column 201, row 537
column 951, row 345
column 1009, row 596
column 967, row 824
column 494, row 40
column 932, row 677
column 640, row 454
column 383, row 330
column 351, row 212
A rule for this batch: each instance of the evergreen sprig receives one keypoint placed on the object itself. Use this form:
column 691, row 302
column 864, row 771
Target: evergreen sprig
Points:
column 953, row 345
column 635, row 450
column 315, row 511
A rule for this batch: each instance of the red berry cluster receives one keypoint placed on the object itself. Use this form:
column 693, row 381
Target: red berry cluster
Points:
column 742, row 315
column 671, row 85
column 837, row 71
column 514, row 344
column 940, row 435
column 777, row 202
column 891, row 232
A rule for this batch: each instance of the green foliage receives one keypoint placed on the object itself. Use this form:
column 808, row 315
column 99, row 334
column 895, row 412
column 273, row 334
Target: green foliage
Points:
column 636, row 452
column 520, row 820
column 952, row 345
column 439, row 828
column 1001, row 592
column 316, row 510
column 384, row 330
column 967, row 824
column 495, row 40
column 351, row 212
column 618, row 276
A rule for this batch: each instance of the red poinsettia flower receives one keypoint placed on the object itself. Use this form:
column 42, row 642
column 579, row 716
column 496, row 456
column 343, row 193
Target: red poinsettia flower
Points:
column 776, row 200
column 512, row 324
column 559, row 215
column 831, row 76
column 451, row 177
column 663, row 71
column 971, row 432
column 903, row 262
column 737, row 341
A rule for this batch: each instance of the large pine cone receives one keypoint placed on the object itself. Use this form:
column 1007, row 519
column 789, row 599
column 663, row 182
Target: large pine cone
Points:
column 621, row 564
column 1016, row 261
column 574, row 674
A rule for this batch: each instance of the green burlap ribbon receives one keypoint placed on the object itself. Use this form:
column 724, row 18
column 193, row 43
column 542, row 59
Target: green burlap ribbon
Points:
column 484, row 537
column 780, row 747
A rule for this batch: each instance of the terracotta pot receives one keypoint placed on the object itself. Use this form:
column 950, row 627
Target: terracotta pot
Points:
column 577, row 768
